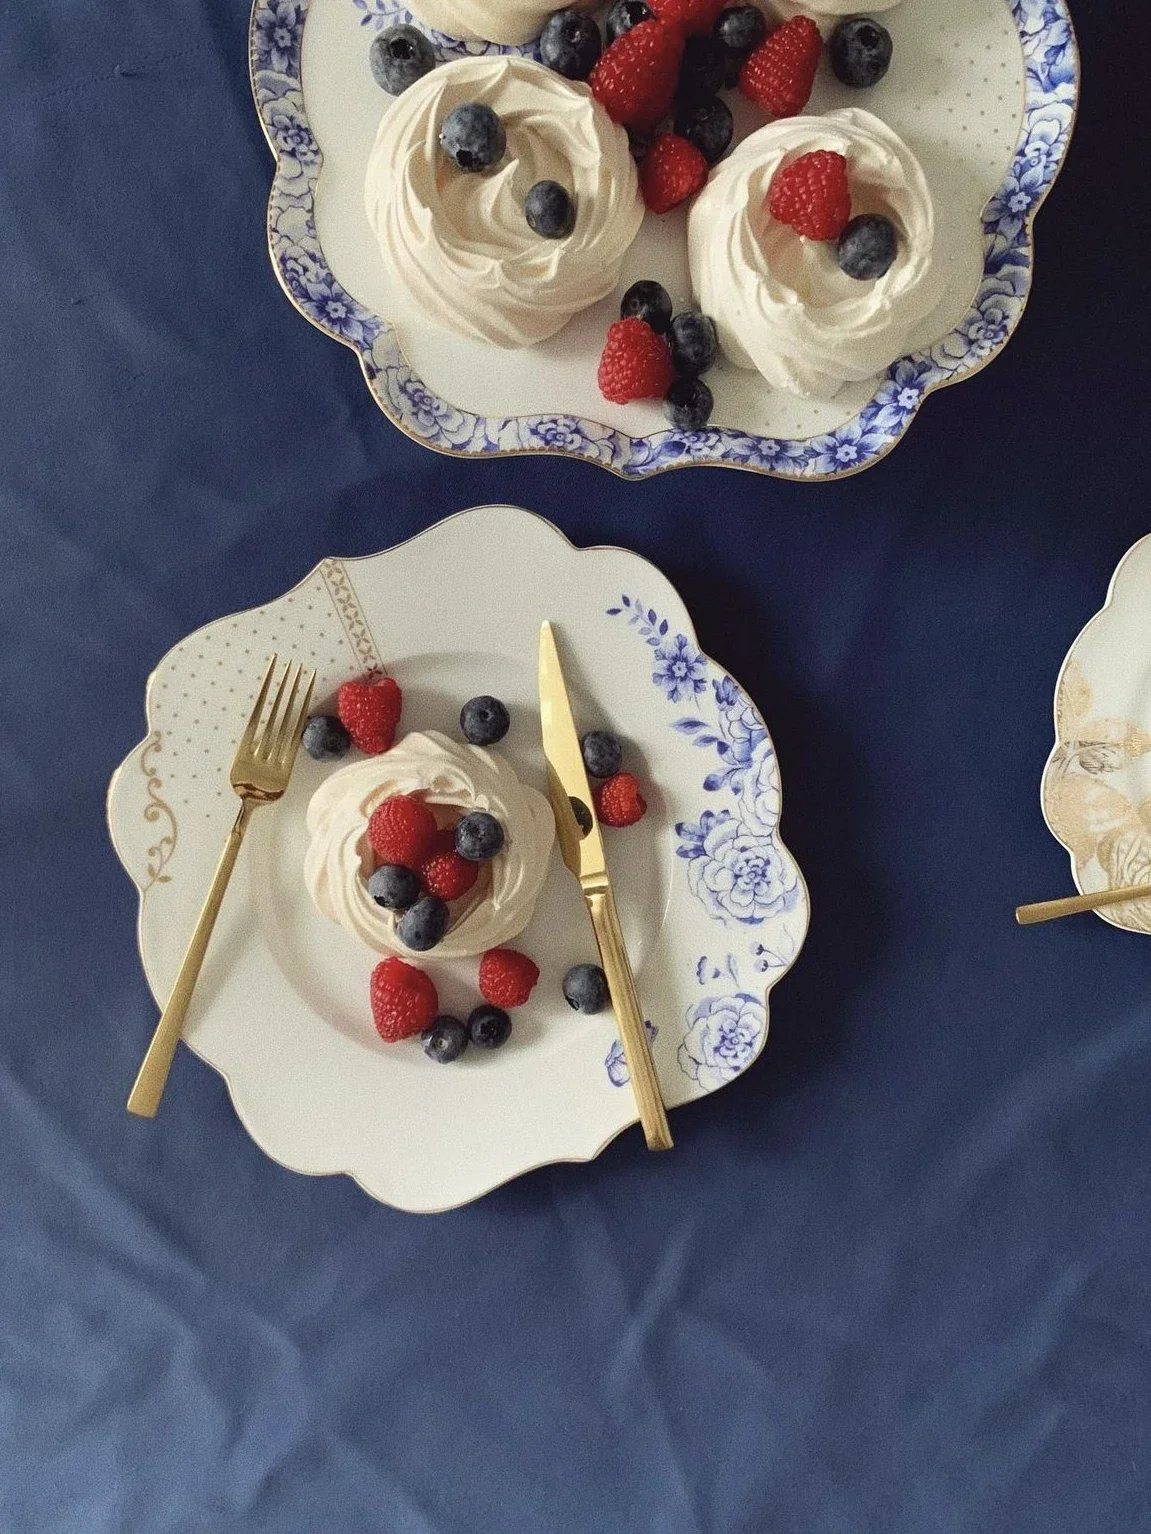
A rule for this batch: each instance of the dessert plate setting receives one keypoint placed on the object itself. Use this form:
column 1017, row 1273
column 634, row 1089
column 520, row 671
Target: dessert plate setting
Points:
column 712, row 905
column 975, row 112
column 1096, row 789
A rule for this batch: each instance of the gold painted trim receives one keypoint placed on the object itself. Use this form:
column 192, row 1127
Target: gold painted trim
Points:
column 351, row 615
column 157, row 811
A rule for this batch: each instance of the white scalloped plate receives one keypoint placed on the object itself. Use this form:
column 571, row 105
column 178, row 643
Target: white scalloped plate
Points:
column 713, row 905
column 984, row 91
column 1096, row 790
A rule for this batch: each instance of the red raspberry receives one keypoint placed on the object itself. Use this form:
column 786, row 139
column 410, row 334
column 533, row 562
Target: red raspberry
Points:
column 370, row 711
column 618, row 801
column 672, row 171
column 507, row 977
column 636, row 363
column 404, row 1000
column 812, row 195
column 635, row 78
column 448, row 875
column 402, row 830
column 688, row 15
column 779, row 74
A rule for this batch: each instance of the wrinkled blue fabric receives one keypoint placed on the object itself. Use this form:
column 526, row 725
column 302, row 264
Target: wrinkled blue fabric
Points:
column 895, row 1279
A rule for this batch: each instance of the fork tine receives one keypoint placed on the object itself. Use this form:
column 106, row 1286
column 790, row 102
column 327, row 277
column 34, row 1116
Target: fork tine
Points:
column 247, row 740
column 287, row 718
column 271, row 723
column 292, row 743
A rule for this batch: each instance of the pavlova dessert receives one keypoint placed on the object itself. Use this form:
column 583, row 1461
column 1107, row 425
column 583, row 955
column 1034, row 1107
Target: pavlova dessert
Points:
column 493, row 21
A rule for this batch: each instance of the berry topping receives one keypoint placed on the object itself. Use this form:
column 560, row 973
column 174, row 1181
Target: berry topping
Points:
column 424, row 925
column 867, row 247
column 702, row 70
column 570, row 44
column 636, row 77
column 636, row 363
column 324, row 738
column 473, row 137
column 673, row 170
column 507, row 977
column 688, row 404
column 370, row 712
column 448, row 875
column 585, row 988
column 484, row 720
column 402, row 830
column 623, row 15
column 688, row 15
column 708, row 125
column 694, row 346
column 618, row 801
column 602, row 753
column 649, row 302
column 859, row 52
column 399, row 57
column 445, row 1040
column 740, row 28
column 489, row 1027
column 549, row 210
column 812, row 195
column 394, row 887
column 479, row 836
column 779, row 74
column 404, row 1000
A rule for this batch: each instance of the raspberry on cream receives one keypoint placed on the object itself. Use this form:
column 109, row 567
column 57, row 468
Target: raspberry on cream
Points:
column 492, row 21
column 460, row 245
column 780, row 302
column 450, row 776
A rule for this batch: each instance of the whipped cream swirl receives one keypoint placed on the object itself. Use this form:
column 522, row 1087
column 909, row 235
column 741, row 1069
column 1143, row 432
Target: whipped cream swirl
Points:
column 779, row 301
column 450, row 776
column 459, row 243
column 827, row 12
column 492, row 21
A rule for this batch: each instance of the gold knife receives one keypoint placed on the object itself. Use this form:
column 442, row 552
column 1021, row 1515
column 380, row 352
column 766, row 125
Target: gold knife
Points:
column 584, row 855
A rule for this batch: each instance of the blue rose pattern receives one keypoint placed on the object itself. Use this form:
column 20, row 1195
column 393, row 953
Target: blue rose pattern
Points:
column 1051, row 64
column 734, row 865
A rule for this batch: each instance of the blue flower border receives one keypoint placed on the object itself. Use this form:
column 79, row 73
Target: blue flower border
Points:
column 1052, row 85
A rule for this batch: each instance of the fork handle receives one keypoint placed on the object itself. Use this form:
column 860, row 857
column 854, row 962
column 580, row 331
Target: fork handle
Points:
column 152, row 1076
column 625, row 1004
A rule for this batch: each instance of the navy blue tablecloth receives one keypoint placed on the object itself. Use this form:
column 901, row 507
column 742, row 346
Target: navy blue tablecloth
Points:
column 895, row 1279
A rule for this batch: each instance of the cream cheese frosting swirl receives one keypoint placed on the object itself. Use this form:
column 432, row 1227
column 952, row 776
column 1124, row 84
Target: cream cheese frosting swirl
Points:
column 460, row 244
column 492, row 21
column 780, row 302
column 448, row 775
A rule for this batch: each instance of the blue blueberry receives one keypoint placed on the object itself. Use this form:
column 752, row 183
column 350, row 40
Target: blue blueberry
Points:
column 740, row 28
column 549, row 210
column 445, row 1040
column 624, row 15
column 479, row 836
column 702, row 71
column 394, row 887
column 688, row 404
column 570, row 44
column 325, row 738
column 585, row 988
column 473, row 137
column 859, row 52
column 867, row 247
column 484, row 720
column 399, row 57
column 489, row 1027
column 602, row 753
column 708, row 125
column 649, row 302
column 423, row 925
column 638, row 144
column 694, row 345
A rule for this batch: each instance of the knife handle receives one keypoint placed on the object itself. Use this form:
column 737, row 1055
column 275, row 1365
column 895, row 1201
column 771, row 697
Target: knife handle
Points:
column 625, row 1002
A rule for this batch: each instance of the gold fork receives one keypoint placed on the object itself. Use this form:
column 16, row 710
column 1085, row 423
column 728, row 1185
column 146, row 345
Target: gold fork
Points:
column 260, row 772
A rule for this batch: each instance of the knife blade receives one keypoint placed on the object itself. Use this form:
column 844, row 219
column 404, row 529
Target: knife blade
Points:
column 581, row 846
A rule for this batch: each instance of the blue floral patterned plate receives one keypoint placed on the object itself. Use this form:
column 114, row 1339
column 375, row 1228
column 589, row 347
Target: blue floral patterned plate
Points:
column 984, row 90
column 713, row 906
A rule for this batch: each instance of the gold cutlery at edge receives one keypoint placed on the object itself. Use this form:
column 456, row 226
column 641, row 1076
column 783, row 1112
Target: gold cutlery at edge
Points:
column 1071, row 905
column 260, row 772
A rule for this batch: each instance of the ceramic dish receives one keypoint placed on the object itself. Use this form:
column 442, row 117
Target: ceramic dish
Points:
column 984, row 92
column 1096, row 789
column 713, row 906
